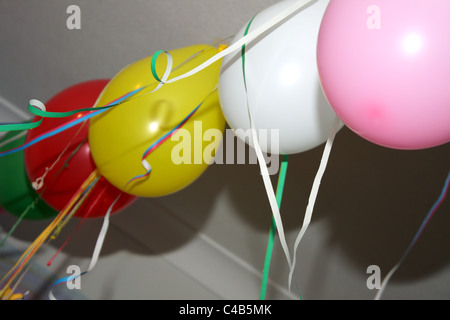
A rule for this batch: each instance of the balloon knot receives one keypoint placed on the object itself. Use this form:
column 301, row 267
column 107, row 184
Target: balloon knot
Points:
column 222, row 47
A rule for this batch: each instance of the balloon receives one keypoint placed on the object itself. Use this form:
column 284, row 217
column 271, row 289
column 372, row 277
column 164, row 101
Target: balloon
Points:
column 284, row 91
column 120, row 136
column 64, row 160
column 16, row 192
column 385, row 69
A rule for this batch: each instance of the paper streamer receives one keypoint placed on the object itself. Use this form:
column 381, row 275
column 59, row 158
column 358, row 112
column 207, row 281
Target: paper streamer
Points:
column 314, row 192
column 428, row 217
column 95, row 255
column 33, row 105
column 263, row 167
column 37, row 108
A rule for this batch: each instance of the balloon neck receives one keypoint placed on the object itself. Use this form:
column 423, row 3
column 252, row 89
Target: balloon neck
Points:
column 222, row 47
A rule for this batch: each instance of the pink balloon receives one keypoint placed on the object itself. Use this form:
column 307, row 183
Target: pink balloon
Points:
column 384, row 67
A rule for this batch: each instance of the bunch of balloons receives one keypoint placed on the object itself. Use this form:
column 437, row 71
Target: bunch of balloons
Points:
column 381, row 68
column 97, row 146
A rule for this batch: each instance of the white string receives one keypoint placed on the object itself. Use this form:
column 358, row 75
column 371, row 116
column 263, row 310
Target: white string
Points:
column 101, row 237
column 269, row 189
column 314, row 192
column 17, row 136
column 386, row 280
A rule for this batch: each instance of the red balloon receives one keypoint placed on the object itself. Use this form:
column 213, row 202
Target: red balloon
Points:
column 63, row 161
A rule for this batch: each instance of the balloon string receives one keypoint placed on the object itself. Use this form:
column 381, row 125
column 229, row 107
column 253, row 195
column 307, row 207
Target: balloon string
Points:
column 273, row 227
column 427, row 219
column 72, row 212
column 314, row 192
column 38, row 198
column 96, row 253
column 70, row 215
column 39, row 182
column 9, row 292
column 6, row 281
column 64, row 166
column 38, row 242
column 12, row 139
column 16, row 224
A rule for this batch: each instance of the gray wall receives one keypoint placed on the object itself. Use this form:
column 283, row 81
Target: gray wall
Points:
column 208, row 241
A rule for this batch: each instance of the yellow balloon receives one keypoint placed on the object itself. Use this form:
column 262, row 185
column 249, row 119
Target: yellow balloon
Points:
column 119, row 137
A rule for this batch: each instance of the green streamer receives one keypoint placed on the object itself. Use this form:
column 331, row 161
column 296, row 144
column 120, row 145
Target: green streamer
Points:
column 51, row 114
column 41, row 113
column 243, row 53
column 273, row 226
column 21, row 126
column 153, row 64
column 16, row 224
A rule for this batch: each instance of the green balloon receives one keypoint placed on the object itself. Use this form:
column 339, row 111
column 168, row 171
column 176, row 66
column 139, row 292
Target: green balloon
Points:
column 16, row 192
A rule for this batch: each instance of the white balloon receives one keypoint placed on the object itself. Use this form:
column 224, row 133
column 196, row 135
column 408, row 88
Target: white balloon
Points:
column 283, row 86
